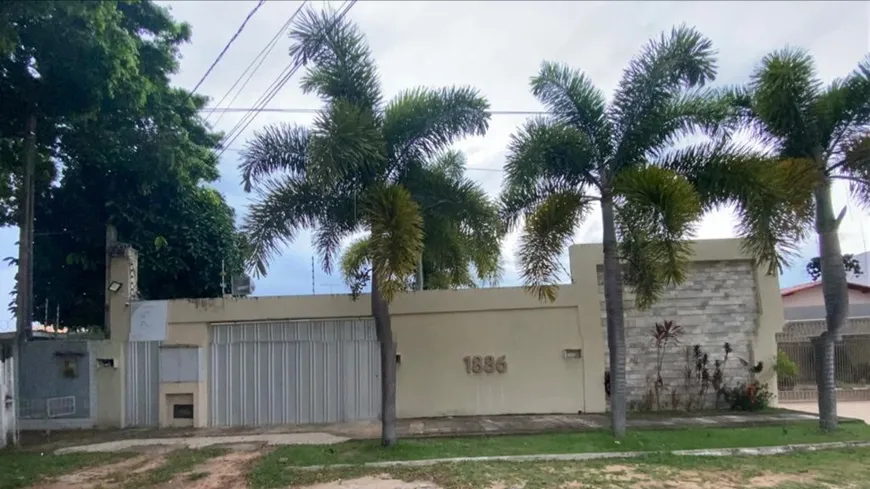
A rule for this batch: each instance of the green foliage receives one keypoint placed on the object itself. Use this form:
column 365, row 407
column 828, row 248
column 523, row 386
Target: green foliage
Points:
column 137, row 156
column 850, row 264
column 366, row 166
column 623, row 153
column 785, row 367
column 754, row 396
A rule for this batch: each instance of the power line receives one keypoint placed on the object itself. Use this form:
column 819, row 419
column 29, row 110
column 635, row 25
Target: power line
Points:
column 227, row 46
column 273, row 89
column 500, row 170
column 226, row 110
column 264, row 53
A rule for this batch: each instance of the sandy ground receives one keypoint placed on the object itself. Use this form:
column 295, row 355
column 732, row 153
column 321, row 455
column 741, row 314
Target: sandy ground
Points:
column 852, row 409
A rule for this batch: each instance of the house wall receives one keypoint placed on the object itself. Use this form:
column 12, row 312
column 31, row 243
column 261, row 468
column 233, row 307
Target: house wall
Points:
column 555, row 352
column 814, row 297
column 725, row 298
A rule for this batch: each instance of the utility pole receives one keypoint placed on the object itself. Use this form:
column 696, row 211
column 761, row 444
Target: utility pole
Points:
column 111, row 241
column 313, row 291
column 24, row 304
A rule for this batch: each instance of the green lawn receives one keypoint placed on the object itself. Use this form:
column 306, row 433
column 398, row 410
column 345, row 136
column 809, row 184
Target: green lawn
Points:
column 23, row 469
column 356, row 452
column 817, row 470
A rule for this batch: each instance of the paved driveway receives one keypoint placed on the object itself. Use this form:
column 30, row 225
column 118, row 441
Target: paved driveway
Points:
column 847, row 409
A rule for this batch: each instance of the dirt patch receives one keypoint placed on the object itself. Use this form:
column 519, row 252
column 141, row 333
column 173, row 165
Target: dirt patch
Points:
column 775, row 480
column 102, row 475
column 225, row 472
column 382, row 481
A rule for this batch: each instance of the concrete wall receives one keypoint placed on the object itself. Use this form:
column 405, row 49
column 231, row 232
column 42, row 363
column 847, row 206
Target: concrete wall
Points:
column 554, row 352
column 44, row 375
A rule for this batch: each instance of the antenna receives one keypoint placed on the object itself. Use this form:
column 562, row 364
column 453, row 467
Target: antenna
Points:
column 313, row 290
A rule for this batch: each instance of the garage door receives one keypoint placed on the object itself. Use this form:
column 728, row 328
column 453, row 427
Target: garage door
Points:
column 294, row 372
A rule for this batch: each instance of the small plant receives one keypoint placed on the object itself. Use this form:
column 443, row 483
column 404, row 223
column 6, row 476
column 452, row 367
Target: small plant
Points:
column 786, row 371
column 663, row 334
column 753, row 396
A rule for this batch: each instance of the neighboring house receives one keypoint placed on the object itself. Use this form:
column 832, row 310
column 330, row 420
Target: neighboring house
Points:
column 806, row 302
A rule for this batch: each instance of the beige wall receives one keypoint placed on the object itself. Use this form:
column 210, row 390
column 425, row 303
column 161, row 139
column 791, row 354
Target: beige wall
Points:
column 814, row 297
column 435, row 330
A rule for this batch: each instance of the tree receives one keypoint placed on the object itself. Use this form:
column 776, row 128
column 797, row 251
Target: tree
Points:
column 351, row 170
column 850, row 265
column 463, row 230
column 824, row 128
column 138, row 161
column 58, row 60
column 651, row 194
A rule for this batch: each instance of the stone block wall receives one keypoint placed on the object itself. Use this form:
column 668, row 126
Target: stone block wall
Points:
column 716, row 304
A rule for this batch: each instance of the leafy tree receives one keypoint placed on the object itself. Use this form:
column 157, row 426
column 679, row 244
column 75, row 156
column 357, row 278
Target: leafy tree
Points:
column 651, row 193
column 825, row 129
column 850, row 264
column 352, row 171
column 139, row 162
column 58, row 61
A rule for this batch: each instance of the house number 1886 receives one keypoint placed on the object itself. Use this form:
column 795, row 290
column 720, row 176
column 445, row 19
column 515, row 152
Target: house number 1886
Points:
column 487, row 364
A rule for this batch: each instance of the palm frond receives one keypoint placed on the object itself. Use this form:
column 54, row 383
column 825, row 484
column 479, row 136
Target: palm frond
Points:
column 842, row 111
column 422, row 122
column 277, row 147
column 772, row 196
column 572, row 98
column 545, row 156
column 855, row 168
column 657, row 212
column 340, row 61
column 396, row 237
column 711, row 112
column 345, row 143
column 355, row 264
column 451, row 164
column 282, row 207
column 785, row 88
column 548, row 229
column 680, row 60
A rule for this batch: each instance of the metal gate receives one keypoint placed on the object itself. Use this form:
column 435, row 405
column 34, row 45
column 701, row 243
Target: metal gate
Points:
column 294, row 372
column 142, row 384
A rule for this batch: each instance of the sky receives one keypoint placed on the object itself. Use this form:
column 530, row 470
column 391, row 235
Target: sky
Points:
column 497, row 47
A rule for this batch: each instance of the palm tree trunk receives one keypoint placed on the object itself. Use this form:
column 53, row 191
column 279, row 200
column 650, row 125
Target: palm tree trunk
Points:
column 381, row 313
column 615, row 321
column 836, row 293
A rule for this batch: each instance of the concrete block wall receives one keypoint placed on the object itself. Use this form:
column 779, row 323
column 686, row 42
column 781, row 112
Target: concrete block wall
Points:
column 718, row 303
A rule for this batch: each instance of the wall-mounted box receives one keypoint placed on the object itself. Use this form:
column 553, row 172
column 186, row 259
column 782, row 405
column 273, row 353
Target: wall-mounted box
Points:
column 181, row 364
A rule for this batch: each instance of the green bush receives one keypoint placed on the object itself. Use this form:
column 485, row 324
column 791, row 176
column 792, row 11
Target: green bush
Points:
column 748, row 397
column 785, row 367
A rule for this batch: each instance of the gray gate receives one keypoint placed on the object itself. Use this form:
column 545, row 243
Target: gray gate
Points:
column 142, row 384
column 294, row 372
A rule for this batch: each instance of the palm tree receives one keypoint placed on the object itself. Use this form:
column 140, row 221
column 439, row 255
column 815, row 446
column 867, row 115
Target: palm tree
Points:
column 826, row 129
column 347, row 172
column 651, row 194
column 463, row 230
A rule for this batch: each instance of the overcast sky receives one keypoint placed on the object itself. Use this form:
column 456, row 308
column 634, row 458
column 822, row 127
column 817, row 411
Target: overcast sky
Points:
column 496, row 47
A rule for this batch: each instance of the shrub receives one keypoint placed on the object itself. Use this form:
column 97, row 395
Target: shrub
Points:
column 748, row 397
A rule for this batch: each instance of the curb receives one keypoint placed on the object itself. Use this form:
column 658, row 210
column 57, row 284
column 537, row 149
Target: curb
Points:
column 718, row 452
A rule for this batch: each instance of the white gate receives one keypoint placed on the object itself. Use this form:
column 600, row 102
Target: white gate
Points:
column 8, row 431
column 294, row 372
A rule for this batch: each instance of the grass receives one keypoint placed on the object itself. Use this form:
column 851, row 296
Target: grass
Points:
column 818, row 470
column 357, row 452
column 176, row 462
column 23, row 469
